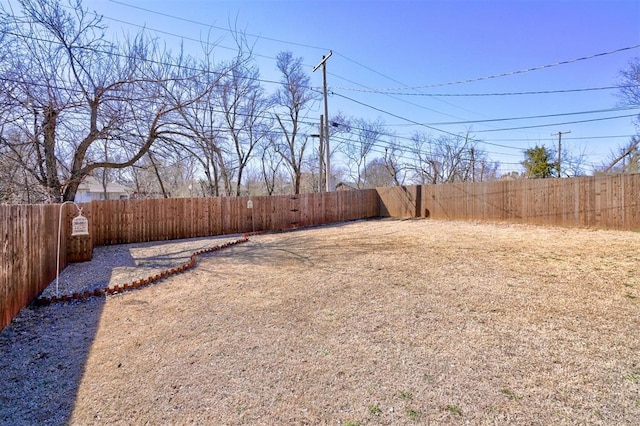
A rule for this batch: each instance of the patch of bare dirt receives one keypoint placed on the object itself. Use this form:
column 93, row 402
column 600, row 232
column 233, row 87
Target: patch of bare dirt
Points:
column 371, row 322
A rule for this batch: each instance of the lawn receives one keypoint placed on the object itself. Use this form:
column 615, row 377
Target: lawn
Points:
column 376, row 322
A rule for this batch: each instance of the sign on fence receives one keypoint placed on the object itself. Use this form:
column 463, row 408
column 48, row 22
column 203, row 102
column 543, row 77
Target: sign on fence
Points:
column 79, row 225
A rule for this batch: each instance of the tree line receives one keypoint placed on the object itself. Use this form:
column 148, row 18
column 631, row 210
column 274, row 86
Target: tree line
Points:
column 75, row 103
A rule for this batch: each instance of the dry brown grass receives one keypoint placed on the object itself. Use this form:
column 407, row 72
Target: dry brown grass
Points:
column 380, row 322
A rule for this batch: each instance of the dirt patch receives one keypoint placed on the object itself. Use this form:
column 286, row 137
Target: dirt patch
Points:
column 374, row 322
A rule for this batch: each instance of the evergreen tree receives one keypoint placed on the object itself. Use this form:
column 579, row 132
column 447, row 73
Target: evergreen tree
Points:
column 537, row 162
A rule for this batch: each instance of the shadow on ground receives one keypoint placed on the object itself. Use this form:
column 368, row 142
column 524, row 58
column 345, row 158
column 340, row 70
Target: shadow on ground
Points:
column 43, row 352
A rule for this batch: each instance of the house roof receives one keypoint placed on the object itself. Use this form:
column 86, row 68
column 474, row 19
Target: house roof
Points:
column 91, row 184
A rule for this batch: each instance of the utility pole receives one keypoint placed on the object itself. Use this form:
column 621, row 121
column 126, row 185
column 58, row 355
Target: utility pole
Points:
column 323, row 63
column 321, row 183
column 632, row 147
column 473, row 165
column 559, row 134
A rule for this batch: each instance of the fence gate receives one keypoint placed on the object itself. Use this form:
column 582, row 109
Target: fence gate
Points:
column 294, row 211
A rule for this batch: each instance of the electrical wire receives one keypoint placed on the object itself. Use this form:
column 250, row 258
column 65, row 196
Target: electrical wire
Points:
column 183, row 37
column 477, row 131
column 530, row 117
column 392, row 114
column 467, row 122
column 571, row 138
column 421, row 94
column 505, row 74
column 192, row 21
column 538, row 92
column 151, row 61
column 387, row 134
column 559, row 124
column 268, row 57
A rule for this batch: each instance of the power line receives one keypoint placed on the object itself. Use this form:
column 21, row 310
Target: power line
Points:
column 430, row 142
column 394, row 115
column 404, row 85
column 421, row 94
column 192, row 21
column 530, row 117
column 537, row 92
column 310, row 123
column 559, row 124
column 268, row 57
column 510, row 73
column 254, row 36
column 475, row 139
column 144, row 27
column 391, row 95
column 477, row 131
column 340, row 95
column 180, row 36
column 147, row 60
column 206, row 43
column 401, row 100
column 572, row 138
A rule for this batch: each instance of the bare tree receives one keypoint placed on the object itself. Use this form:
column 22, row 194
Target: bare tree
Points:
column 253, row 181
column 425, row 167
column 367, row 136
column 292, row 98
column 393, row 165
column 450, row 158
column 206, row 143
column 16, row 185
column 626, row 159
column 378, row 174
column 271, row 162
column 203, row 123
column 71, row 91
column 482, row 167
column 630, row 83
column 574, row 161
column 243, row 115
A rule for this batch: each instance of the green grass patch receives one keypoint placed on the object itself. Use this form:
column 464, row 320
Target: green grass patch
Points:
column 454, row 409
column 510, row 393
column 407, row 396
column 414, row 414
column 375, row 410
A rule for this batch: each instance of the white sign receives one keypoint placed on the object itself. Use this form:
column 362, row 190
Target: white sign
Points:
column 249, row 204
column 79, row 226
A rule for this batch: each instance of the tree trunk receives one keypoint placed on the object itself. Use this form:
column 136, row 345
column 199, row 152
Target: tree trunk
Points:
column 51, row 163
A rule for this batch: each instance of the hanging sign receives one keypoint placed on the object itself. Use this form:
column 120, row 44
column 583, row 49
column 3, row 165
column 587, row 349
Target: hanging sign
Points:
column 249, row 204
column 79, row 226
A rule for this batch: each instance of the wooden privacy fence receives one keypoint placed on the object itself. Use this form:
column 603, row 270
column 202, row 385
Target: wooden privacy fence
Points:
column 29, row 233
column 611, row 202
column 29, row 243
column 130, row 221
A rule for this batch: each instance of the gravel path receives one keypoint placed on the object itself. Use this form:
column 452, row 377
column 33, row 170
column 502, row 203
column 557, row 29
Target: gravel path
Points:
column 121, row 264
column 43, row 350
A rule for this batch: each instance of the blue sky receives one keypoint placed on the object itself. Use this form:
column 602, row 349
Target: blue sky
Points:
column 404, row 44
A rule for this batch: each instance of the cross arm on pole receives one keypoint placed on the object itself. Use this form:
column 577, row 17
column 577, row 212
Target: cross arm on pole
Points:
column 324, row 59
